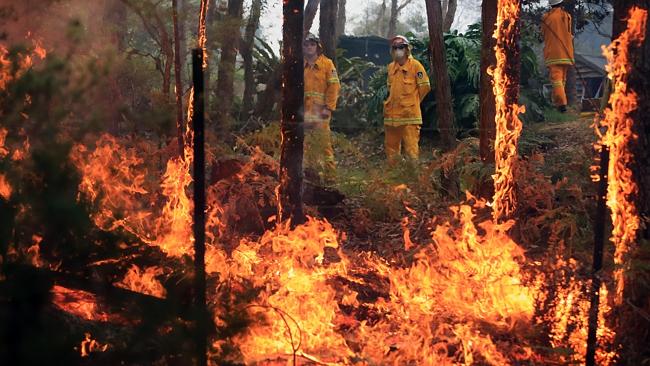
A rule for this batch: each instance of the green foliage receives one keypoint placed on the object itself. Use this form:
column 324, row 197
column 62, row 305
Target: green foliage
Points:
column 266, row 61
column 351, row 115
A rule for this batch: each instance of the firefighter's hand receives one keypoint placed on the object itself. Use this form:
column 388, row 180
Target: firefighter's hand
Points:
column 325, row 113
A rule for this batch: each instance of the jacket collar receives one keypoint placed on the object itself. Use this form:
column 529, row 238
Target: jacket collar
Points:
column 405, row 67
column 316, row 63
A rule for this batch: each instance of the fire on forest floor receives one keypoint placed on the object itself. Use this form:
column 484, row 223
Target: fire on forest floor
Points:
column 461, row 291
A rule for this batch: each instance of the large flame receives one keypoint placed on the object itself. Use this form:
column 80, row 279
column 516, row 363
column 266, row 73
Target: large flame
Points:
column 618, row 134
column 8, row 73
column 508, row 125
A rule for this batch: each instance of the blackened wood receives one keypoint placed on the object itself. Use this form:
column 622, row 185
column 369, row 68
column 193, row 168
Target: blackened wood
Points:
column 198, row 124
column 292, row 129
column 599, row 240
column 632, row 324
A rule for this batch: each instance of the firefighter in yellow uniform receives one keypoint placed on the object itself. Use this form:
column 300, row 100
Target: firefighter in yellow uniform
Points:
column 558, row 50
column 408, row 84
column 321, row 92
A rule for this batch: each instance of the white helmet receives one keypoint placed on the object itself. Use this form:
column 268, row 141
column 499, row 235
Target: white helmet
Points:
column 554, row 2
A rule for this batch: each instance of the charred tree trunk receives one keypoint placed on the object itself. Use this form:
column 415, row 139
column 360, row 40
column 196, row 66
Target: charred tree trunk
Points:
column 440, row 75
column 327, row 30
column 633, row 324
column 487, row 127
column 341, row 19
column 198, row 119
column 310, row 15
column 229, row 45
column 450, row 13
column 291, row 174
column 180, row 127
column 247, row 54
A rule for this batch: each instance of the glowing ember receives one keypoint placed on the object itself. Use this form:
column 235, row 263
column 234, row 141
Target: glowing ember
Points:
column 78, row 303
column 508, row 125
column 89, row 345
column 25, row 61
column 202, row 35
column 5, row 188
column 618, row 123
column 144, row 282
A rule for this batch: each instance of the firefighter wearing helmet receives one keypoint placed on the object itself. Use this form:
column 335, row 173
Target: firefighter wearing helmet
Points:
column 558, row 50
column 321, row 92
column 408, row 84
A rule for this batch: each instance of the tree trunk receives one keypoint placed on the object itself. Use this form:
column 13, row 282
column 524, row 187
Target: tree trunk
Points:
column 293, row 88
column 310, row 15
column 440, row 75
column 327, row 31
column 486, row 95
column 392, row 22
column 180, row 126
column 632, row 328
column 115, row 16
column 341, row 19
column 182, row 36
column 225, row 80
column 571, row 80
column 381, row 18
column 247, row 54
column 450, row 13
column 167, row 49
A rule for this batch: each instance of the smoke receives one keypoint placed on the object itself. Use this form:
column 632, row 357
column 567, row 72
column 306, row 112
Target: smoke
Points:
column 62, row 26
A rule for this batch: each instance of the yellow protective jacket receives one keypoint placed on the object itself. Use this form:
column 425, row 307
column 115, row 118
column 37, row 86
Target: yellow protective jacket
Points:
column 321, row 87
column 408, row 84
column 558, row 40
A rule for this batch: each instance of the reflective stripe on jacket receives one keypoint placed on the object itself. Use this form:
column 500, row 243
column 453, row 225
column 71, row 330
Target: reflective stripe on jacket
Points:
column 408, row 84
column 321, row 86
column 558, row 40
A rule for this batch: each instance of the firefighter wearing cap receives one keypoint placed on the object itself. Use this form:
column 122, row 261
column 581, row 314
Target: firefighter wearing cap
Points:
column 321, row 92
column 408, row 84
column 558, row 50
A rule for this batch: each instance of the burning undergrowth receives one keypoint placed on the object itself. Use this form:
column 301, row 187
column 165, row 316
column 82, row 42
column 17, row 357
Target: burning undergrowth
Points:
column 279, row 295
column 465, row 298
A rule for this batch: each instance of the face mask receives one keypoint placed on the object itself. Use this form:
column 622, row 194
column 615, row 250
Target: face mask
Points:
column 399, row 54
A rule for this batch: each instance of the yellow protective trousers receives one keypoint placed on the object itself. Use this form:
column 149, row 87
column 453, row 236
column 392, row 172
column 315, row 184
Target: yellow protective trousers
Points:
column 319, row 154
column 393, row 138
column 557, row 74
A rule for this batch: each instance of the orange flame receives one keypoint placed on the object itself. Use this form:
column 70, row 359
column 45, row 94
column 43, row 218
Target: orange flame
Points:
column 508, row 125
column 144, row 282
column 617, row 137
column 202, row 35
column 458, row 283
column 5, row 188
column 79, row 303
column 89, row 345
